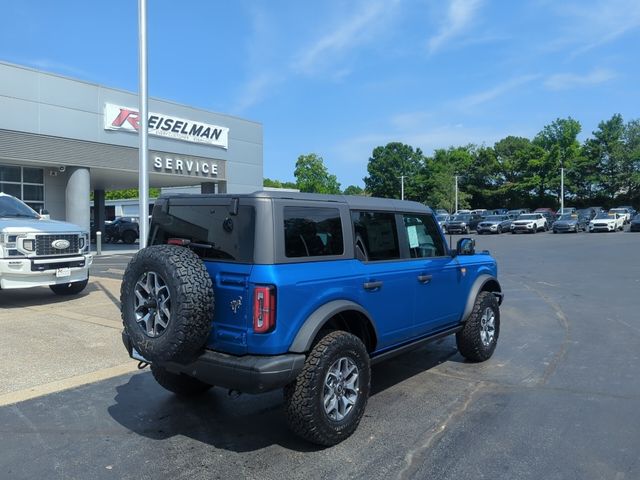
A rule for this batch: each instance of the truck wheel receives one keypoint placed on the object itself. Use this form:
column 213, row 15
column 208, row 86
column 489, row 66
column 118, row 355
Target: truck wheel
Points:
column 71, row 288
column 167, row 303
column 129, row 236
column 179, row 384
column 326, row 402
column 479, row 336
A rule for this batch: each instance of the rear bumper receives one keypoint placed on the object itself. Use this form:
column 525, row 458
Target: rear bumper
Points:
column 248, row 373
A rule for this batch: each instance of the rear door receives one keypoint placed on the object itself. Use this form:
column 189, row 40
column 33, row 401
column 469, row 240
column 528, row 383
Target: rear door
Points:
column 385, row 289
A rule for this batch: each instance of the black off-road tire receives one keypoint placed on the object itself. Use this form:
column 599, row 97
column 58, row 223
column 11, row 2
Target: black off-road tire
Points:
column 304, row 408
column 129, row 236
column 468, row 339
column 71, row 288
column 182, row 385
column 191, row 305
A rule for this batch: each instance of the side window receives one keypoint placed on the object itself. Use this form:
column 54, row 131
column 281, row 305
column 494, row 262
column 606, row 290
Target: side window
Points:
column 375, row 237
column 312, row 232
column 423, row 235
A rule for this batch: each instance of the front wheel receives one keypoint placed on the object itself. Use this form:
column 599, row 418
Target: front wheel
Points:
column 129, row 237
column 326, row 402
column 478, row 338
column 71, row 288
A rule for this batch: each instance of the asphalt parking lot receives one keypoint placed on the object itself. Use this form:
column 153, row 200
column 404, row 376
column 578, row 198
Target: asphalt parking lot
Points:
column 558, row 400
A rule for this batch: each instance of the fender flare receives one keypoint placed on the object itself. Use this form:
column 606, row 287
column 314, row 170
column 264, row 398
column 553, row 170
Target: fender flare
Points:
column 314, row 323
column 476, row 288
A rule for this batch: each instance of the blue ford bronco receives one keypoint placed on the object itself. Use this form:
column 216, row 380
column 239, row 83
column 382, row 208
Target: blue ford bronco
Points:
column 304, row 292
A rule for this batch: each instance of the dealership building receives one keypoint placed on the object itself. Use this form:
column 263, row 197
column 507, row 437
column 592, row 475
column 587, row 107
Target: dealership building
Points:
column 62, row 139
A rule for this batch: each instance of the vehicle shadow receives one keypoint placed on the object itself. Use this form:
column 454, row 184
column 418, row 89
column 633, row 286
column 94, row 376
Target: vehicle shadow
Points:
column 39, row 296
column 247, row 422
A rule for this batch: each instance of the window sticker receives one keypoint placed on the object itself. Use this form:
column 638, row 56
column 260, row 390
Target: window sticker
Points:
column 413, row 236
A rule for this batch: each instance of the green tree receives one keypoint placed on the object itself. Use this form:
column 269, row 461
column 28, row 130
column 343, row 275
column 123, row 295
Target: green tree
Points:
column 312, row 175
column 129, row 193
column 559, row 140
column 514, row 181
column 386, row 167
column 438, row 179
column 353, row 190
column 631, row 163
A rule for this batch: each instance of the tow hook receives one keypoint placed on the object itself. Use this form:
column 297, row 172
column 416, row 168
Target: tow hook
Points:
column 142, row 365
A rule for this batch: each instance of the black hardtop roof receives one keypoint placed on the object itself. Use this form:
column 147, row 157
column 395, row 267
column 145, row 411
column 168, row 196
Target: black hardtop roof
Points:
column 353, row 201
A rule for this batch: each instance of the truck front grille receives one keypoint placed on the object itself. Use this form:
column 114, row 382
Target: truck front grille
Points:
column 44, row 247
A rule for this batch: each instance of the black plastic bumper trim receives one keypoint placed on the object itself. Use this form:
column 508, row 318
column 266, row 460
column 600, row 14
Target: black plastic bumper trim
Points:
column 248, row 373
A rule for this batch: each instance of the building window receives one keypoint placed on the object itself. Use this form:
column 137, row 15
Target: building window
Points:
column 25, row 183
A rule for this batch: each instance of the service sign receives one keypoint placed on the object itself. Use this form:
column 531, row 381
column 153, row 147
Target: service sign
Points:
column 117, row 117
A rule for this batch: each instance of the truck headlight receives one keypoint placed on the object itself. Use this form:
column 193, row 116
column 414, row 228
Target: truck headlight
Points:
column 29, row 245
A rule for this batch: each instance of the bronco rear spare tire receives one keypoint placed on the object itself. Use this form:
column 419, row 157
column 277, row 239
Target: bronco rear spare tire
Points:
column 167, row 303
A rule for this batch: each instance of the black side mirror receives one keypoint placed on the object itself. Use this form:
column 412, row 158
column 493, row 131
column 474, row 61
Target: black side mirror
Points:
column 466, row 246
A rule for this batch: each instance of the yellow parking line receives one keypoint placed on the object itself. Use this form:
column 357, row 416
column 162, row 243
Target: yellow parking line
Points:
column 67, row 383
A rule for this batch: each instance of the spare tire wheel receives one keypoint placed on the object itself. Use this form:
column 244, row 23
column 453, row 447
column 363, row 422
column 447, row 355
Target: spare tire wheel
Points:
column 167, row 303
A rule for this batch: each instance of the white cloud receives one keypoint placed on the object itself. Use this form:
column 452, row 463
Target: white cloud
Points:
column 255, row 90
column 565, row 81
column 460, row 16
column 495, row 92
column 355, row 30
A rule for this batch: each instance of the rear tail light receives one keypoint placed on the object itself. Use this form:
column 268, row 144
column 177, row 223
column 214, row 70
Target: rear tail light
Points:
column 264, row 309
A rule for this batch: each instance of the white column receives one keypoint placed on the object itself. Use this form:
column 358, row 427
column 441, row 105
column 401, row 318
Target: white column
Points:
column 77, row 197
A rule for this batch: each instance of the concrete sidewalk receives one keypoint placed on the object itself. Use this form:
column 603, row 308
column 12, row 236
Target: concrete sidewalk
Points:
column 50, row 342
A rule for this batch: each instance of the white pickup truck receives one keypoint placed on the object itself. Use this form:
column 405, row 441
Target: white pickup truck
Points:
column 38, row 252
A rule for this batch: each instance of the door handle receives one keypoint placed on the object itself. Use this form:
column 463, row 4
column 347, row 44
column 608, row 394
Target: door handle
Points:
column 372, row 285
column 424, row 278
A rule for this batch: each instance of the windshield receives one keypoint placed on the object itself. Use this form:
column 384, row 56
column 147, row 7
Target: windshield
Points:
column 461, row 218
column 513, row 212
column 442, row 218
column 606, row 215
column 528, row 216
column 12, row 207
column 494, row 218
column 568, row 216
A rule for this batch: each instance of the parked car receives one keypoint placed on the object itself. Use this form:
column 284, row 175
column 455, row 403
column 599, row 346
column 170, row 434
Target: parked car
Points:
column 562, row 211
column 623, row 211
column 632, row 210
column 517, row 212
column 607, row 222
column 309, row 291
column 480, row 211
column 570, row 223
column 635, row 224
column 441, row 211
column 463, row 223
column 588, row 212
column 494, row 224
column 529, row 222
column 550, row 218
column 500, row 211
column 126, row 229
column 550, row 211
column 36, row 252
column 442, row 219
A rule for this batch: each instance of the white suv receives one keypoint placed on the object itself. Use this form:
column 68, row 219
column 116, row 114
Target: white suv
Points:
column 529, row 222
column 38, row 252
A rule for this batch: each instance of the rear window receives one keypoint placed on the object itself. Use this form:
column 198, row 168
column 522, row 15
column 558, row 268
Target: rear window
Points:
column 214, row 233
column 312, row 232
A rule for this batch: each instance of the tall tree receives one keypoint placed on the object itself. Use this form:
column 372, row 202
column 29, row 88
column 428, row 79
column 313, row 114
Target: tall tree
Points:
column 606, row 149
column 560, row 143
column 312, row 175
column 514, row 155
column 386, row 167
column 439, row 183
column 353, row 190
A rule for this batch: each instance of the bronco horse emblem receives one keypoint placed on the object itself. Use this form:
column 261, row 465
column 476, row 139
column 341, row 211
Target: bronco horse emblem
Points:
column 235, row 304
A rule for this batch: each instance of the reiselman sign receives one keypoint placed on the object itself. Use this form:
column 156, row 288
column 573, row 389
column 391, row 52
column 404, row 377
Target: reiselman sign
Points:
column 117, row 117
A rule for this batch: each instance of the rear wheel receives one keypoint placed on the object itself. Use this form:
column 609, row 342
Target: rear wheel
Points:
column 177, row 383
column 326, row 402
column 129, row 236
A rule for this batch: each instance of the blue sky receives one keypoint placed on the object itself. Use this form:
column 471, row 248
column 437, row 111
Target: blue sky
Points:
column 339, row 78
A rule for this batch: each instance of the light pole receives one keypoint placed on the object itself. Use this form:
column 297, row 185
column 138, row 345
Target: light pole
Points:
column 561, row 189
column 143, row 178
column 456, row 209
